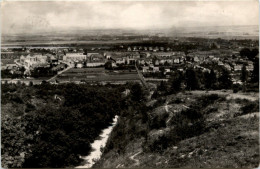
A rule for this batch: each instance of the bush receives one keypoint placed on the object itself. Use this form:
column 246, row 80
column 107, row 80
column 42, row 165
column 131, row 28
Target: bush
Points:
column 206, row 100
column 30, row 83
column 17, row 99
column 210, row 110
column 236, row 88
column 155, row 94
column 158, row 145
column 252, row 87
column 176, row 101
column 250, row 107
column 159, row 102
column 29, row 107
column 159, row 121
column 188, row 123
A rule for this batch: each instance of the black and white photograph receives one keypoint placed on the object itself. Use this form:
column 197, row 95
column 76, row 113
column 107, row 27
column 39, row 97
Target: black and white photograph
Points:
column 129, row 84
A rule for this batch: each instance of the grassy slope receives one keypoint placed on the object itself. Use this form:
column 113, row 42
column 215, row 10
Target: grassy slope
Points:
column 229, row 141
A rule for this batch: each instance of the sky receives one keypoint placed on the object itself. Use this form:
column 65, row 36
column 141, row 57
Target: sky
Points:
column 32, row 16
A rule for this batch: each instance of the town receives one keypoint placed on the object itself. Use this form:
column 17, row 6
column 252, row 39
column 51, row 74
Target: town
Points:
column 150, row 61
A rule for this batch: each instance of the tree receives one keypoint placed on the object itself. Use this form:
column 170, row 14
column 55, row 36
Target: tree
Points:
column 162, row 69
column 166, row 63
column 155, row 94
column 254, row 53
column 85, row 51
column 225, row 79
column 250, row 54
column 19, row 83
column 191, row 79
column 22, row 69
column 244, row 76
column 175, row 82
column 108, row 65
column 30, row 83
column 210, row 79
column 154, row 59
column 137, row 92
column 84, row 63
column 255, row 73
column 245, row 52
column 162, row 86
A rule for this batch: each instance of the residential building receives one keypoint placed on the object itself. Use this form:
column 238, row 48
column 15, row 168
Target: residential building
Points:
column 74, row 57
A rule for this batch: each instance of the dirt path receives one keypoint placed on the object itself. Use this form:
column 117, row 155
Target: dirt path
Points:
column 141, row 78
column 137, row 162
column 170, row 114
column 59, row 73
column 230, row 95
column 241, row 96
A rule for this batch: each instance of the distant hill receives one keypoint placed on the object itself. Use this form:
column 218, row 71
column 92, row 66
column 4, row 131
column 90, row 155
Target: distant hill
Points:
column 226, row 32
column 216, row 31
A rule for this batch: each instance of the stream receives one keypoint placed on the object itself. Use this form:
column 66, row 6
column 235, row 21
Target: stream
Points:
column 97, row 145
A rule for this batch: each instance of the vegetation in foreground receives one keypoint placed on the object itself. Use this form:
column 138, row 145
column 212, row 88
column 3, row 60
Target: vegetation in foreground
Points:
column 51, row 125
column 189, row 129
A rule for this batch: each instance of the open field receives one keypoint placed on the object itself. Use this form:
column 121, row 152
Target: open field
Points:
column 97, row 74
column 51, row 43
column 86, row 75
column 7, row 61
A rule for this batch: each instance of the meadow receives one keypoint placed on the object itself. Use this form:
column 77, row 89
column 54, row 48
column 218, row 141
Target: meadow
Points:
column 97, row 74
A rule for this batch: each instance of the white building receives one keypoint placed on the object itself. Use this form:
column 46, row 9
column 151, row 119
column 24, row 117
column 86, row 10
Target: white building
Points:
column 30, row 62
column 74, row 57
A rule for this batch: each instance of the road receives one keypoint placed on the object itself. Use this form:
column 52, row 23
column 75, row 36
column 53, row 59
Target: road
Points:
column 60, row 72
column 141, row 77
column 158, row 80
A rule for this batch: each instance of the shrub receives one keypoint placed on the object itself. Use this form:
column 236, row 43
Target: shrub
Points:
column 159, row 121
column 241, row 101
column 210, row 110
column 176, row 101
column 206, row 100
column 188, row 123
column 155, row 94
column 250, row 107
column 29, row 107
column 159, row 102
column 159, row 144
column 17, row 99
column 236, row 88
column 252, row 87
column 30, row 83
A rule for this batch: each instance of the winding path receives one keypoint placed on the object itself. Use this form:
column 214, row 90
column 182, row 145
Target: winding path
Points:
column 137, row 162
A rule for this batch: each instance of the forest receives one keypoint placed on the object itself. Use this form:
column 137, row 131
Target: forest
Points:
column 51, row 125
